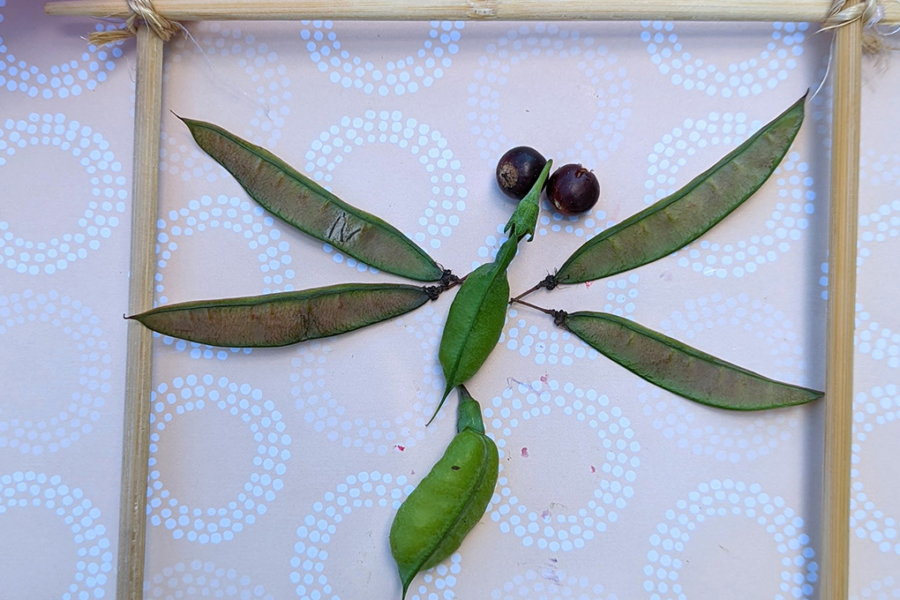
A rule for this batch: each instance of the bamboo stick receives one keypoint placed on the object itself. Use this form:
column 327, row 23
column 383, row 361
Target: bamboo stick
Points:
column 841, row 310
column 508, row 10
column 136, row 436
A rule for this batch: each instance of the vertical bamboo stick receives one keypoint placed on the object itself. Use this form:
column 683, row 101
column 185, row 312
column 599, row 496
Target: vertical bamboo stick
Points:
column 841, row 310
column 136, row 436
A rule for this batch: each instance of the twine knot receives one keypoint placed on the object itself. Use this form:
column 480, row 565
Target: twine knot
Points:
column 142, row 11
column 871, row 13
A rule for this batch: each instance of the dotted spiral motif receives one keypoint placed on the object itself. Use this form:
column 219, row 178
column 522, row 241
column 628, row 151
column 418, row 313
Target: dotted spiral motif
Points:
column 266, row 86
column 748, row 77
column 241, row 217
column 328, row 416
column 608, row 81
column 718, row 499
column 216, row 524
column 884, row 589
column 550, row 584
column 786, row 224
column 364, row 490
column 398, row 76
column 620, row 464
column 879, row 407
column 69, row 78
column 875, row 340
column 108, row 187
column 202, row 579
column 427, row 145
column 81, row 517
column 37, row 434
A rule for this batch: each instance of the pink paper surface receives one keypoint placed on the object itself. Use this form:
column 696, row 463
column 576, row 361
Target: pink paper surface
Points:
column 276, row 473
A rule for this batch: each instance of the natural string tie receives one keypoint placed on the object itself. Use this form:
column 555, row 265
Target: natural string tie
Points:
column 142, row 12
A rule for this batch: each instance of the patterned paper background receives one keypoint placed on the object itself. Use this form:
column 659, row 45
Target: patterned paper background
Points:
column 275, row 474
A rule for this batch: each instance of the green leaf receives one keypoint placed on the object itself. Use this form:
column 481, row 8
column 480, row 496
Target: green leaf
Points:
column 474, row 322
column 681, row 218
column 433, row 521
column 287, row 317
column 301, row 202
column 524, row 219
column 679, row 368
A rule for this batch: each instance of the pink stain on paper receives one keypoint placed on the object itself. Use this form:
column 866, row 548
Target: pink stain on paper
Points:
column 524, row 452
column 545, row 377
column 593, row 470
column 399, row 447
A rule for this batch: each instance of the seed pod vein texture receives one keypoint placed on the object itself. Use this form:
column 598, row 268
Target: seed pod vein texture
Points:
column 679, row 368
column 284, row 318
column 304, row 204
column 682, row 217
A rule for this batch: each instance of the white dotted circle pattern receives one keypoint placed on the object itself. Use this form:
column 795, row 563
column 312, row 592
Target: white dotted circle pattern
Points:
column 552, row 345
column 885, row 589
column 68, row 78
column 202, row 579
column 48, row 433
column 877, row 341
column 607, row 80
column 215, row 524
column 108, row 186
column 266, row 86
column 753, row 76
column 427, row 145
column 550, row 584
column 398, row 76
column 329, row 416
column 879, row 407
column 95, row 557
column 244, row 219
column 364, row 490
column 771, row 329
column 619, row 466
column 682, row 421
column 719, row 499
column 785, row 225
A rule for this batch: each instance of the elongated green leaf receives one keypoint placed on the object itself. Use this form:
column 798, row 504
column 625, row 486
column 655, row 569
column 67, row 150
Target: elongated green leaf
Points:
column 681, row 218
column 433, row 521
column 679, row 368
column 312, row 209
column 284, row 318
column 524, row 218
column 475, row 320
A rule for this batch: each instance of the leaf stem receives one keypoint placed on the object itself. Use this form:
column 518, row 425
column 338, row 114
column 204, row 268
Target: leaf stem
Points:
column 525, row 293
column 546, row 311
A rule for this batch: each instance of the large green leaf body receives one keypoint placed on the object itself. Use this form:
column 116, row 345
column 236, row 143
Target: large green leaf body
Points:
column 309, row 207
column 431, row 524
column 682, row 369
column 681, row 218
column 476, row 319
column 284, row 318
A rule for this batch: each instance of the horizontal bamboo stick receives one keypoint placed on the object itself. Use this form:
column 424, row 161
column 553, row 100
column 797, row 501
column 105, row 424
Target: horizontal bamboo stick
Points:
column 507, row 10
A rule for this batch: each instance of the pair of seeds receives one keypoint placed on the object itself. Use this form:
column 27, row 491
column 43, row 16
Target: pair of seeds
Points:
column 572, row 189
column 433, row 521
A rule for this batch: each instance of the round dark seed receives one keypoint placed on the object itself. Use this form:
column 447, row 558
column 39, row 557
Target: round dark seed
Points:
column 572, row 190
column 518, row 169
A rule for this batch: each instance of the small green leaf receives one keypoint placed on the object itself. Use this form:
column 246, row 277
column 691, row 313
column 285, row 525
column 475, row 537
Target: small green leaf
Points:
column 681, row 218
column 474, row 322
column 304, row 204
column 284, row 318
column 679, row 368
column 524, row 219
column 433, row 521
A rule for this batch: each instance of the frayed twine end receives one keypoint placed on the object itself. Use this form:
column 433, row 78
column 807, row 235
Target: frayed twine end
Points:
column 142, row 12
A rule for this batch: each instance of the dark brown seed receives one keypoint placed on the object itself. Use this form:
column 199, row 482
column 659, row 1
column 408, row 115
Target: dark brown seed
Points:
column 572, row 190
column 518, row 169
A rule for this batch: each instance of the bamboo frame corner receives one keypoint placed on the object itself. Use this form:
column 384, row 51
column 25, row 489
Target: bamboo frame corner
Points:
column 842, row 236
